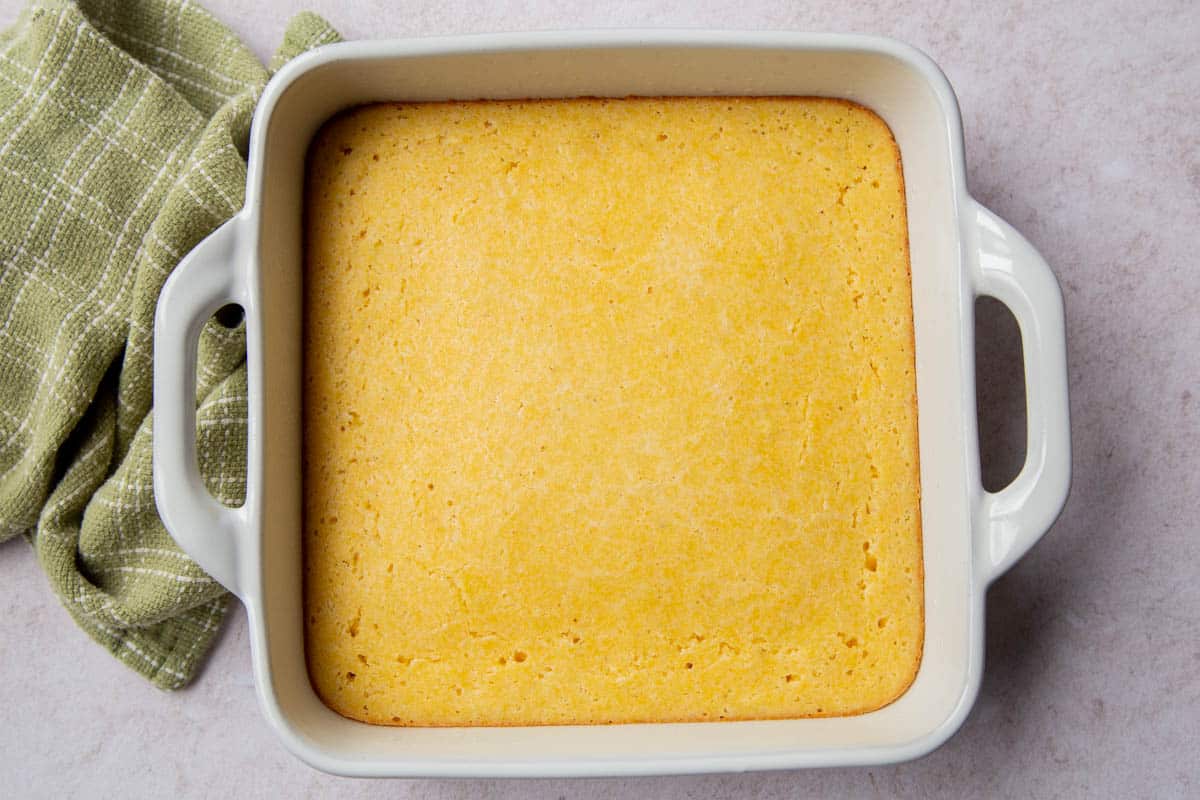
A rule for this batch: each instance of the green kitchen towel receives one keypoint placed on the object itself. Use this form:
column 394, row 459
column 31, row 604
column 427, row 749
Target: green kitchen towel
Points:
column 123, row 136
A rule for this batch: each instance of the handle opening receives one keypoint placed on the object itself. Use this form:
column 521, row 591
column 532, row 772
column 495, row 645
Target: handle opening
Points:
column 230, row 315
column 1000, row 393
column 221, row 427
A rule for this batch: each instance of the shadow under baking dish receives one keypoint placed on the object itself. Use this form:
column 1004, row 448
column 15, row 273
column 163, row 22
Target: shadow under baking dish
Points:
column 609, row 413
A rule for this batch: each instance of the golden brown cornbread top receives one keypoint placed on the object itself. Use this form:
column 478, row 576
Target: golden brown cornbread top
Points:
column 609, row 412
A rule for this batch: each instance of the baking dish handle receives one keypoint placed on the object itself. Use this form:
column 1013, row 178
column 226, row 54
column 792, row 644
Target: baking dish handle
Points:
column 209, row 277
column 1010, row 270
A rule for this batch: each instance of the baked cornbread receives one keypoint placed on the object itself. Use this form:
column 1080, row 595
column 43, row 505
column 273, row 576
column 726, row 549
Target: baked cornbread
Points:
column 609, row 412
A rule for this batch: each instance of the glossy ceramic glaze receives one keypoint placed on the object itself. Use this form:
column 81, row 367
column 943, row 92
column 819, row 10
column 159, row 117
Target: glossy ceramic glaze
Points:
column 959, row 251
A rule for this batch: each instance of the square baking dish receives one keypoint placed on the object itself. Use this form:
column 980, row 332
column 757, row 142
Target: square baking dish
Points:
column 958, row 251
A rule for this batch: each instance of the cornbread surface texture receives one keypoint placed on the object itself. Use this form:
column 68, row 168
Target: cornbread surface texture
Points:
column 610, row 413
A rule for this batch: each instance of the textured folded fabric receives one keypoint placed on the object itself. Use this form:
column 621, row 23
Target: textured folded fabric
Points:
column 123, row 135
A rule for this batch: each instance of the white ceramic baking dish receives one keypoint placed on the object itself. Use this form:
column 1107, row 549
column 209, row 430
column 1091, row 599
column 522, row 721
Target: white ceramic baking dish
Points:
column 959, row 251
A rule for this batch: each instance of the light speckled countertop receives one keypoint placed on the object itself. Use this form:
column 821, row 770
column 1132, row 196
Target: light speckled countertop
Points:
column 1083, row 130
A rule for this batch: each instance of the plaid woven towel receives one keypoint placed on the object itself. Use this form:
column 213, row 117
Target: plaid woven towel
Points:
column 123, row 133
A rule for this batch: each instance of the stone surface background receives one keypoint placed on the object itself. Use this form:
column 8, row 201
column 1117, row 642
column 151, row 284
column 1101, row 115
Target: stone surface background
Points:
column 1083, row 129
